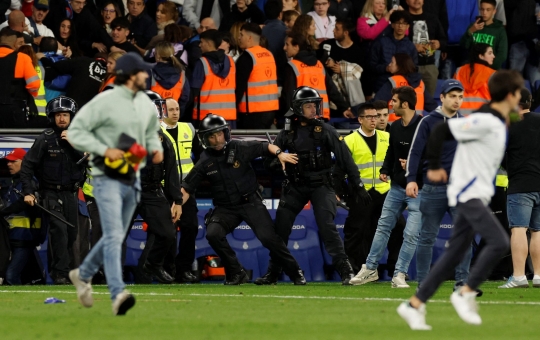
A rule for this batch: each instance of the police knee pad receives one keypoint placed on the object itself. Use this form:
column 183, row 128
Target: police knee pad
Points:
column 290, row 203
column 215, row 231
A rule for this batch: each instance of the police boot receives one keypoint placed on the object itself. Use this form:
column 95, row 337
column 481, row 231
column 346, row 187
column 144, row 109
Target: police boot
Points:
column 185, row 277
column 345, row 271
column 271, row 276
column 297, row 277
column 237, row 279
column 159, row 273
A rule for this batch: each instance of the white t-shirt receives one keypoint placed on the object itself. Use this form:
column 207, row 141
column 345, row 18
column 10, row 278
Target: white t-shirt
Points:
column 481, row 145
column 44, row 31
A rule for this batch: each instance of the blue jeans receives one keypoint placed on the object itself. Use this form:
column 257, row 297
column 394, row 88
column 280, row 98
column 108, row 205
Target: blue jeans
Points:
column 19, row 258
column 433, row 205
column 396, row 201
column 524, row 210
column 116, row 203
column 518, row 60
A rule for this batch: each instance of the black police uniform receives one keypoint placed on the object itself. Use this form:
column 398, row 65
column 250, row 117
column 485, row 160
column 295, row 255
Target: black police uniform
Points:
column 53, row 161
column 156, row 211
column 236, row 199
column 310, row 180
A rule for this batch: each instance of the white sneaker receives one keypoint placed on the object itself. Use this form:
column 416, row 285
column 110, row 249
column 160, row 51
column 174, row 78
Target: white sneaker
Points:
column 123, row 302
column 364, row 276
column 513, row 283
column 398, row 281
column 466, row 307
column 415, row 318
column 536, row 283
column 84, row 289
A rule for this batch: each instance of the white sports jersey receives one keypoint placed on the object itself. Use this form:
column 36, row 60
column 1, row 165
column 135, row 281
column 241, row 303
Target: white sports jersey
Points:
column 481, row 145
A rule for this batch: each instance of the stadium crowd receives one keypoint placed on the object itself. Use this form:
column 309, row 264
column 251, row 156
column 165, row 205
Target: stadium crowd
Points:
column 390, row 69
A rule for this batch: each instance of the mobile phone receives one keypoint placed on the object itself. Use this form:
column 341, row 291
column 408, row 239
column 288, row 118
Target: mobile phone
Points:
column 479, row 19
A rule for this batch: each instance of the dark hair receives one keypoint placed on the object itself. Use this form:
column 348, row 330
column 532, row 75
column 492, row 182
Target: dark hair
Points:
column 173, row 34
column 121, row 22
column 48, row 44
column 29, row 51
column 405, row 94
column 287, row 15
column 405, row 64
column 186, row 32
column 380, row 104
column 301, row 25
column 272, row 9
column 524, row 102
column 504, row 82
column 398, row 15
column 19, row 34
column 298, row 39
column 116, row 9
column 7, row 32
column 474, row 55
column 491, row 2
column 228, row 38
column 366, row 106
column 212, row 35
column 251, row 28
column 346, row 25
column 72, row 40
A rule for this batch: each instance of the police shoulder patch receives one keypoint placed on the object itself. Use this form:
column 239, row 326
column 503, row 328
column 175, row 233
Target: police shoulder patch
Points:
column 318, row 128
column 236, row 164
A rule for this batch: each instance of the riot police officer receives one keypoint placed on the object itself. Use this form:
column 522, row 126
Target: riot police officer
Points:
column 159, row 181
column 310, row 179
column 226, row 164
column 53, row 161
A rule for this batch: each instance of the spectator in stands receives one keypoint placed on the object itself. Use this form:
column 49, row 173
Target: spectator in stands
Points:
column 291, row 5
column 38, row 118
column 197, row 10
column 192, row 44
column 341, row 9
column 428, row 36
column 305, row 70
column 475, row 77
column 142, row 27
column 228, row 44
column 436, row 8
column 342, row 47
column 289, row 18
column 176, row 36
column 91, row 36
column 168, row 76
column 462, row 13
column 40, row 9
column 387, row 46
column 166, row 15
column 120, row 33
column 501, row 10
column 305, row 24
column 57, row 86
column 522, row 31
column 215, row 71
column 382, row 110
column 242, row 11
column 67, row 39
column 17, row 22
column 19, row 83
column 256, row 81
column 274, row 31
column 523, row 191
column 20, row 40
column 111, row 75
column 324, row 23
column 489, row 31
column 109, row 12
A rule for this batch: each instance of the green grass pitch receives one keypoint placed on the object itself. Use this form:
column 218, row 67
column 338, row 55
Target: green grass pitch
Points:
column 213, row 311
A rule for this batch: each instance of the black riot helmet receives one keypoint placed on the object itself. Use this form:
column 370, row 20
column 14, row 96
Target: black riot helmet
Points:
column 211, row 124
column 160, row 103
column 304, row 95
column 60, row 104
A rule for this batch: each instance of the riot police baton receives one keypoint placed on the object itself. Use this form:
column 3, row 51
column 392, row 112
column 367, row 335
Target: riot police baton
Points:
column 271, row 142
column 342, row 204
column 83, row 159
column 46, row 210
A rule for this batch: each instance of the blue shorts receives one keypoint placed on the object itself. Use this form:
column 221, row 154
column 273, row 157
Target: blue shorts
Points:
column 524, row 210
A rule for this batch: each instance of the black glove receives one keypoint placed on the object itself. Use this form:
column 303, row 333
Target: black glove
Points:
column 361, row 195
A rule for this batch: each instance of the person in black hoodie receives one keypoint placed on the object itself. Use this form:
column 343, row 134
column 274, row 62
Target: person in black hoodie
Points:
column 222, row 66
column 244, row 11
column 298, row 48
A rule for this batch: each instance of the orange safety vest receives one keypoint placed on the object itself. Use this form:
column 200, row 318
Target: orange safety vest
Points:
column 399, row 81
column 175, row 92
column 217, row 94
column 262, row 90
column 476, row 89
column 312, row 76
column 109, row 81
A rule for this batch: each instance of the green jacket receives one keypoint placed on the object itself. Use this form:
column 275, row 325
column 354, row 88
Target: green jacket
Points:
column 493, row 35
column 99, row 123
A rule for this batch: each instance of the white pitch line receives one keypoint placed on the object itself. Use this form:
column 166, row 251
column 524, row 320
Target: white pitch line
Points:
column 74, row 292
column 534, row 303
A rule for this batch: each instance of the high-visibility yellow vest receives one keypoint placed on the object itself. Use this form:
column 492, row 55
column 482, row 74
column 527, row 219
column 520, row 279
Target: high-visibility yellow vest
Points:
column 182, row 148
column 502, row 178
column 87, row 187
column 369, row 164
column 41, row 102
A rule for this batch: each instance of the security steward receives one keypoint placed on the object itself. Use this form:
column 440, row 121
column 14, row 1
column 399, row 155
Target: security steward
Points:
column 226, row 164
column 154, row 207
column 310, row 179
column 20, row 84
column 53, row 161
column 181, row 136
column 368, row 148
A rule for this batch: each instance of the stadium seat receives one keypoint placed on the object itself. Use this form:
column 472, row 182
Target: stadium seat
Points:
column 42, row 252
column 536, row 85
column 135, row 243
column 249, row 250
column 202, row 248
column 528, row 86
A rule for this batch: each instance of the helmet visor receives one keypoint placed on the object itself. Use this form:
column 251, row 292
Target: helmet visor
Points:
column 161, row 108
column 215, row 138
column 309, row 108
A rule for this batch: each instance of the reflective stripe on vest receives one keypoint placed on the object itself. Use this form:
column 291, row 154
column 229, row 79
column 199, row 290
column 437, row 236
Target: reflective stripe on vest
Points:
column 369, row 165
column 23, row 222
column 88, row 188
column 174, row 92
column 182, row 148
column 501, row 180
column 399, row 81
column 217, row 94
column 312, row 76
column 471, row 104
column 262, row 90
column 41, row 102
column 473, row 99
